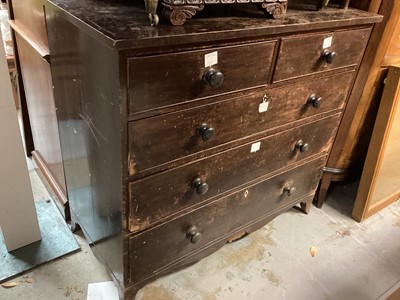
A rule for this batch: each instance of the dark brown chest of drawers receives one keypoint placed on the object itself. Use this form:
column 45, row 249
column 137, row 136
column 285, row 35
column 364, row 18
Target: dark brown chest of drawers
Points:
column 177, row 139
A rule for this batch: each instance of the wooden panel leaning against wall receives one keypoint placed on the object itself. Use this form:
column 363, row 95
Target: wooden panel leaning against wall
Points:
column 392, row 56
column 380, row 184
column 30, row 40
column 27, row 131
column 349, row 149
column 356, row 145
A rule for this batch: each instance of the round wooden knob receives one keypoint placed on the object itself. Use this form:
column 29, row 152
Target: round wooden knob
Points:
column 302, row 146
column 289, row 190
column 328, row 56
column 199, row 186
column 194, row 234
column 315, row 101
column 206, row 132
column 213, row 77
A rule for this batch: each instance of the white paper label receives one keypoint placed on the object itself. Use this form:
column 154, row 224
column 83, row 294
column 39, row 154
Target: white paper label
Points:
column 327, row 42
column 211, row 59
column 255, row 147
column 263, row 107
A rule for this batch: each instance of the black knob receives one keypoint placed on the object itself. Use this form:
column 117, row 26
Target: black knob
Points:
column 289, row 190
column 328, row 56
column 194, row 234
column 206, row 132
column 315, row 101
column 301, row 146
column 199, row 186
column 213, row 77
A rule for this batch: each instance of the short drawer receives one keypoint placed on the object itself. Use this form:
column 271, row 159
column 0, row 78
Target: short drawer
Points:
column 218, row 220
column 157, row 197
column 164, row 80
column 304, row 55
column 164, row 138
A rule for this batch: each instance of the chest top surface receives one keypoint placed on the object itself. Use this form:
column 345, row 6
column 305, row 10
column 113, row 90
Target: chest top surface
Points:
column 125, row 25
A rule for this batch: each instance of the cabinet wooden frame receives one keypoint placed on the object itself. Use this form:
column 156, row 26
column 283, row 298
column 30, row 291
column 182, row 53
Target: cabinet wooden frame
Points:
column 347, row 151
column 96, row 91
column 389, row 112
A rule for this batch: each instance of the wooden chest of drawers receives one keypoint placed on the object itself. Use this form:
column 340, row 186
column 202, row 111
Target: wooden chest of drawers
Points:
column 177, row 139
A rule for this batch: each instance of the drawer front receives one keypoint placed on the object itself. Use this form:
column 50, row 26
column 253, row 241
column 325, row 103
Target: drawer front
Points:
column 215, row 220
column 163, row 80
column 29, row 14
column 154, row 198
column 161, row 139
column 303, row 55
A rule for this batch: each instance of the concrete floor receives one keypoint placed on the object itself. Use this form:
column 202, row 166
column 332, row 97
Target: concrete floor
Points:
column 352, row 261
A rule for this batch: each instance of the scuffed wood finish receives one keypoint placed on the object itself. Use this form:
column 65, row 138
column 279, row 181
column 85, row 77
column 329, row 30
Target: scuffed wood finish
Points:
column 157, row 197
column 113, row 22
column 129, row 114
column 88, row 100
column 302, row 55
column 158, row 81
column 160, row 139
column 216, row 222
column 131, row 291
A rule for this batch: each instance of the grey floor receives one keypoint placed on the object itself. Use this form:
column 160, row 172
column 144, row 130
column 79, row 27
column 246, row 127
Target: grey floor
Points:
column 352, row 261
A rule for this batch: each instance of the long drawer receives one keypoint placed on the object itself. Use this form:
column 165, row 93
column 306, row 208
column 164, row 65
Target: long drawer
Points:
column 163, row 80
column 156, row 197
column 164, row 138
column 195, row 230
column 303, row 55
